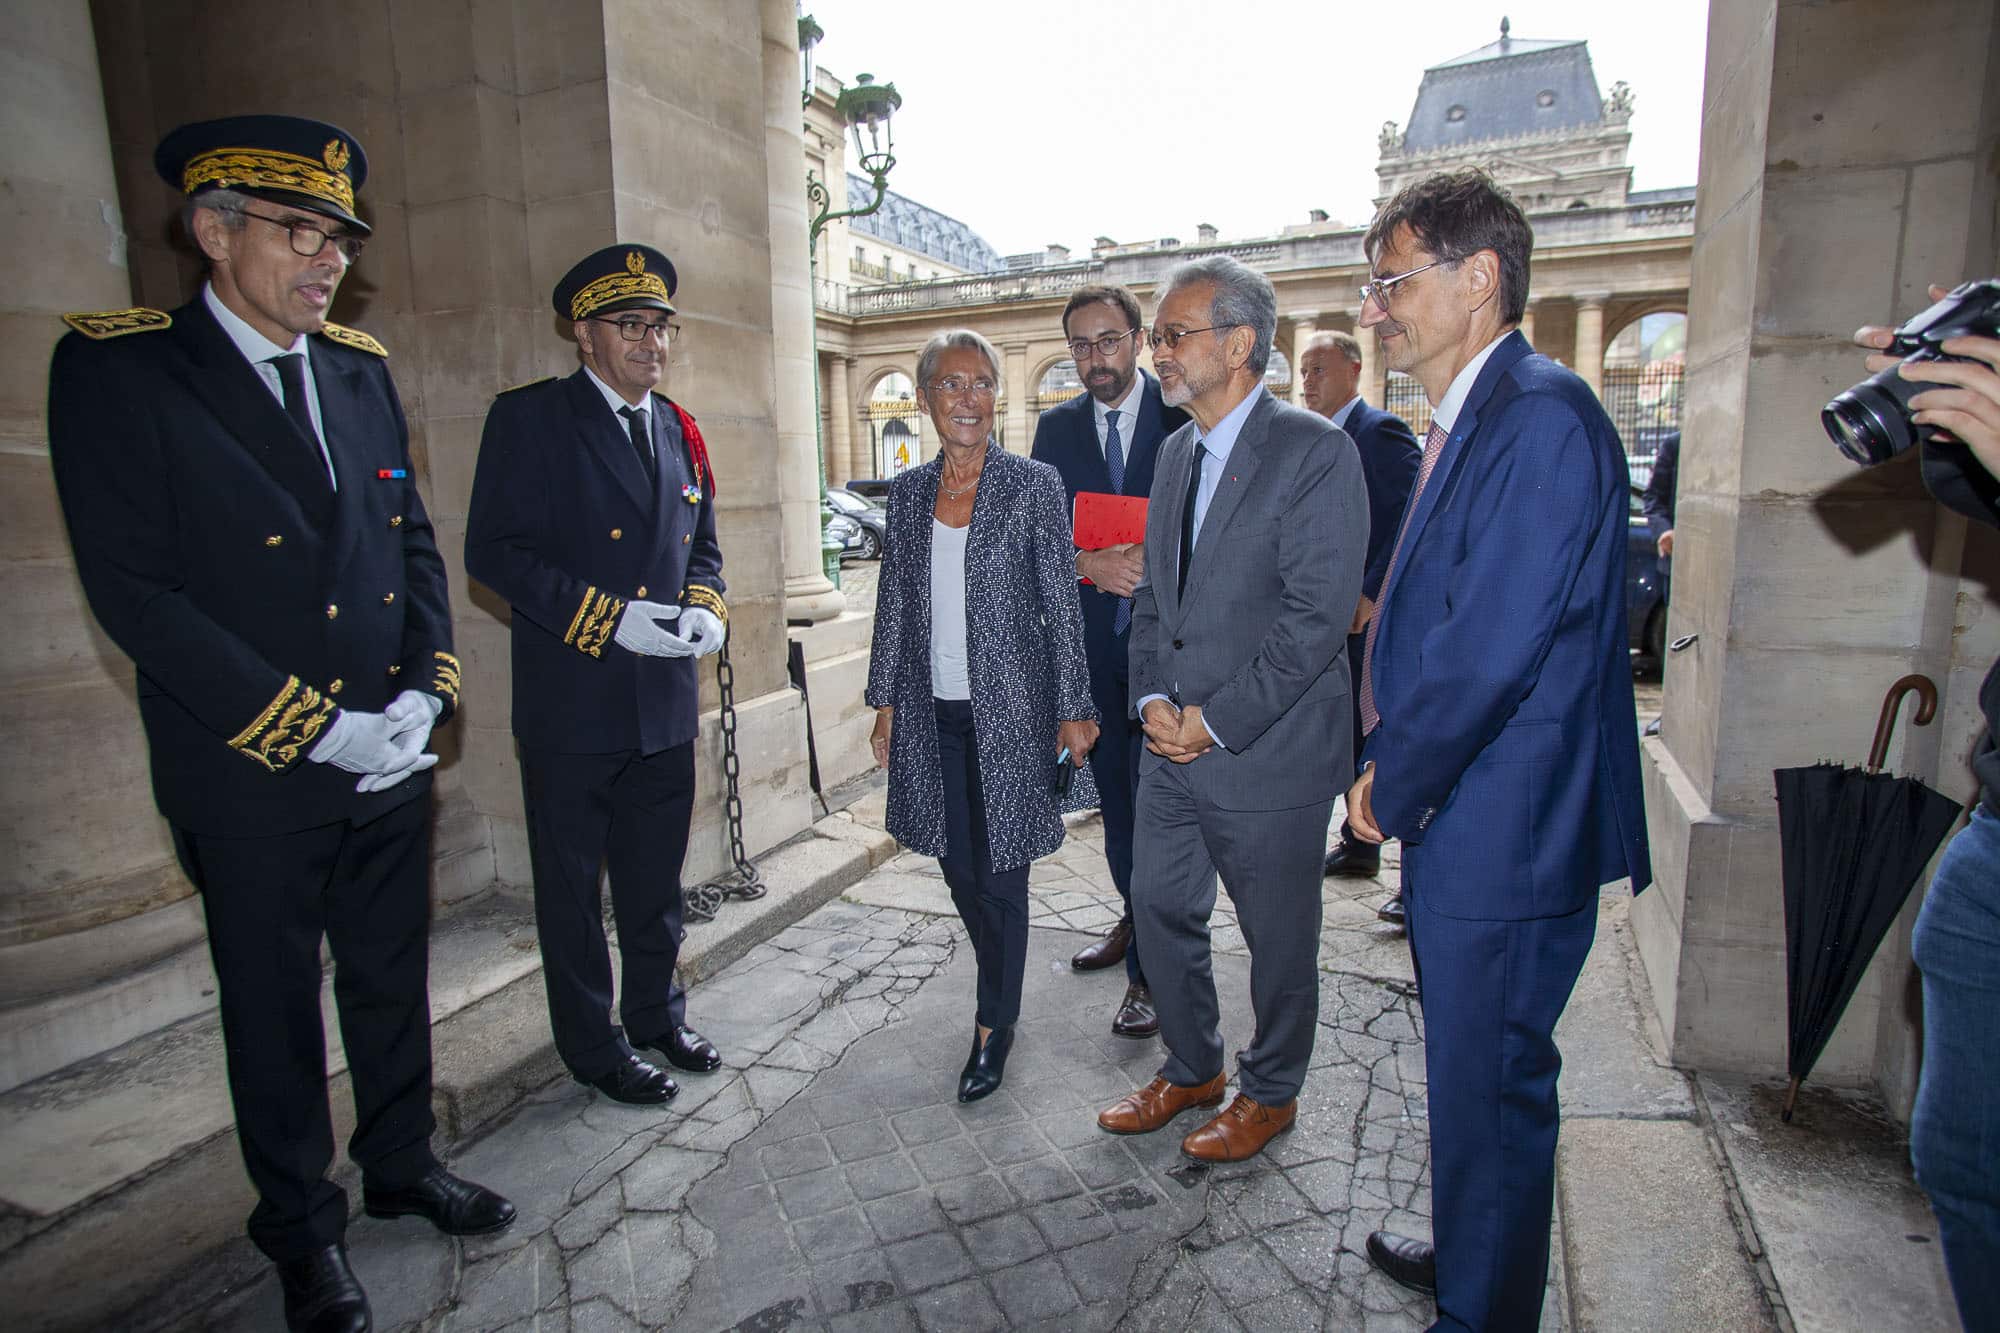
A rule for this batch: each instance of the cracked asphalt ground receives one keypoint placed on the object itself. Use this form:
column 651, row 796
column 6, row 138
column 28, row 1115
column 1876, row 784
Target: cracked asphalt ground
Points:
column 827, row 1178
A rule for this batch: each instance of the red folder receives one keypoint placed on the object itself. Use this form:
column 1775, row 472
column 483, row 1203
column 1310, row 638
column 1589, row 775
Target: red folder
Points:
column 1102, row 520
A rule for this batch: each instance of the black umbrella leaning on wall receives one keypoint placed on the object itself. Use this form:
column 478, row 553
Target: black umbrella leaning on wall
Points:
column 1854, row 842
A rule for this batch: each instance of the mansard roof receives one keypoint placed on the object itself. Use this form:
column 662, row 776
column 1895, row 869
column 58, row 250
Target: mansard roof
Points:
column 1505, row 89
column 905, row 222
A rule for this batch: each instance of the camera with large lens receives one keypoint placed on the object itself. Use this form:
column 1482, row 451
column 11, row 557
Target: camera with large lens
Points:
column 1871, row 421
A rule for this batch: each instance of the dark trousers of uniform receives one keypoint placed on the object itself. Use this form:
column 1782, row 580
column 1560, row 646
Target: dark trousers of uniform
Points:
column 630, row 812
column 1270, row 862
column 993, row 905
column 1114, row 766
column 366, row 890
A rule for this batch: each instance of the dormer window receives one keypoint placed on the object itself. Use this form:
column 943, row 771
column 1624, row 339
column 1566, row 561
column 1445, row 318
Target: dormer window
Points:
column 1545, row 98
column 1455, row 114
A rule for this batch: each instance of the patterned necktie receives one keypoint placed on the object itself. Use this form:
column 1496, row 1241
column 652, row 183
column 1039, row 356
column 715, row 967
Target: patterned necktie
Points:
column 291, row 368
column 1433, row 446
column 1187, row 512
column 635, row 425
column 1114, row 463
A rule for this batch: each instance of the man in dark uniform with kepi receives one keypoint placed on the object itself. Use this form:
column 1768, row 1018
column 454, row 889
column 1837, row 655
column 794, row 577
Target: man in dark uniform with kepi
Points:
column 236, row 477
column 593, row 514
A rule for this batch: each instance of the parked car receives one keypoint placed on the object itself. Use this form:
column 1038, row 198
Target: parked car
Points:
column 871, row 488
column 870, row 520
column 845, row 531
column 1645, row 587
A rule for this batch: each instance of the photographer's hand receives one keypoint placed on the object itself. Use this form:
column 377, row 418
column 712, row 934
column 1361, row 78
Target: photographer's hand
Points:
column 1966, row 405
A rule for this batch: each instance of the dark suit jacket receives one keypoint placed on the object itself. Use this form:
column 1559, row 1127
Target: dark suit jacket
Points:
column 1657, row 500
column 1024, row 656
column 565, row 528
column 252, row 597
column 1066, row 439
column 1389, row 458
column 1507, row 759
column 1259, row 638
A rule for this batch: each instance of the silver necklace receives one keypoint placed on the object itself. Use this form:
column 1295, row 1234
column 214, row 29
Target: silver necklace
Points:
column 973, row 485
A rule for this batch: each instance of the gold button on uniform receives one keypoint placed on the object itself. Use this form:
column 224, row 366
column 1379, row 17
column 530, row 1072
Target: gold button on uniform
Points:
column 396, row 670
column 641, row 592
column 335, row 687
column 616, row 533
column 331, row 610
column 686, row 538
column 274, row 540
column 388, row 598
column 396, row 522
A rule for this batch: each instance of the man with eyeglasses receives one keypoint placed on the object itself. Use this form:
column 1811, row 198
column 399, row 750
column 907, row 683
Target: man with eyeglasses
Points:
column 1330, row 367
column 1503, row 741
column 1104, row 440
column 1255, row 536
column 237, row 480
column 593, row 515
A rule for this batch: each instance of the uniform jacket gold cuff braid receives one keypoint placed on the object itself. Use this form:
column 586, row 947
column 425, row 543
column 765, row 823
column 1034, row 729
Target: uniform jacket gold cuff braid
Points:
column 596, row 617
column 279, row 735
column 445, row 682
column 701, row 595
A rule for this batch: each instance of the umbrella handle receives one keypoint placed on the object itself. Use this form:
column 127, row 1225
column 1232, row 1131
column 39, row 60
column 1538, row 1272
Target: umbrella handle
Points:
column 1926, row 693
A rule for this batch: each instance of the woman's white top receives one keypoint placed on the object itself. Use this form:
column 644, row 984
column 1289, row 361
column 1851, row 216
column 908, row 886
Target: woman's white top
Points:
column 948, row 676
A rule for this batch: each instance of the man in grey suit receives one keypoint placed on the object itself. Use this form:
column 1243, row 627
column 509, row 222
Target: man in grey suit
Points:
column 1256, row 535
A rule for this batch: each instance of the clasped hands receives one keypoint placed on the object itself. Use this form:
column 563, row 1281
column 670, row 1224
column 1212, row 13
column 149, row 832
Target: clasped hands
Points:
column 1175, row 733
column 383, row 747
column 1115, row 569
column 639, row 630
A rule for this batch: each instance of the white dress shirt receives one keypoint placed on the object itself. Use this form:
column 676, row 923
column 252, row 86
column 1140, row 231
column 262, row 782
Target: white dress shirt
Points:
column 1128, row 417
column 1445, row 413
column 258, row 351
column 616, row 402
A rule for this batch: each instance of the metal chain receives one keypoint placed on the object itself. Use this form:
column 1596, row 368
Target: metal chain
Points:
column 742, row 881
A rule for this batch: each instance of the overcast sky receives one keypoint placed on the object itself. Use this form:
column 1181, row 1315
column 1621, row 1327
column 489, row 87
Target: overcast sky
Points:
column 1034, row 121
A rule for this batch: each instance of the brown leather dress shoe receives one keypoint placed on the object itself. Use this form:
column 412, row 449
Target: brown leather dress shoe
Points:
column 1136, row 1017
column 1240, row 1132
column 1109, row 950
column 1158, row 1102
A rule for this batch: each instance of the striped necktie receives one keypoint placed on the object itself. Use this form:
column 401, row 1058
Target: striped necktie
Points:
column 1433, row 446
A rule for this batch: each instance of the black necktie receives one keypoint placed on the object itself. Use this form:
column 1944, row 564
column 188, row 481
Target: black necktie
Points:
column 1114, row 463
column 1187, row 513
column 635, row 423
column 291, row 368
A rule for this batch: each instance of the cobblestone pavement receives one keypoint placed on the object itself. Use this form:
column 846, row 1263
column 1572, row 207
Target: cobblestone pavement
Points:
column 827, row 1178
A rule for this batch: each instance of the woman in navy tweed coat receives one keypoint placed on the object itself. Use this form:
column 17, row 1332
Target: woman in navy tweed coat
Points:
column 978, row 676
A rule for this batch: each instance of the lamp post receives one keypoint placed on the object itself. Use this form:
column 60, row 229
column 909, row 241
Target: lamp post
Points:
column 866, row 108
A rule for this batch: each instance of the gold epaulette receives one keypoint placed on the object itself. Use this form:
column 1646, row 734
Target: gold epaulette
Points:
column 446, row 681
column 286, row 726
column 354, row 338
column 516, row 388
column 701, row 595
column 594, row 621
column 117, row 323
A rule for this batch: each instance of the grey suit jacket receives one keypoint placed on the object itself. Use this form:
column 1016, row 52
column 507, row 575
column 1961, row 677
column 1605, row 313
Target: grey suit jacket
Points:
column 1260, row 638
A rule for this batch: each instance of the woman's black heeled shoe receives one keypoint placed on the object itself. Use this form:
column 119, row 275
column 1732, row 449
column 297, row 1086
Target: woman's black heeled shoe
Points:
column 986, row 1065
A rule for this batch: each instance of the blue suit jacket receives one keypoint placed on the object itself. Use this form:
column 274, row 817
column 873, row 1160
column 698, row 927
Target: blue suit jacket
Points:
column 1066, row 439
column 1507, row 759
column 1389, row 458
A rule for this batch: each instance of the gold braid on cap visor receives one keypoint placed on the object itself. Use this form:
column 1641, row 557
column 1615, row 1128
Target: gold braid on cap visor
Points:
column 262, row 169
column 616, row 287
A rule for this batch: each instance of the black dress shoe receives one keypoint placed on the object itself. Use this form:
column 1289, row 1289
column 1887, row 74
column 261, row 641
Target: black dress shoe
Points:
column 321, row 1295
column 634, row 1082
column 685, row 1049
column 1137, row 1017
column 455, row 1207
column 1111, row 949
column 1406, row 1262
column 1394, row 912
column 986, row 1066
column 1353, row 859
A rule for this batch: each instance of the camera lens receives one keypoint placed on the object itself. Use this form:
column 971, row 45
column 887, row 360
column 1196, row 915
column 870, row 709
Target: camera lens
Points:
column 1869, row 421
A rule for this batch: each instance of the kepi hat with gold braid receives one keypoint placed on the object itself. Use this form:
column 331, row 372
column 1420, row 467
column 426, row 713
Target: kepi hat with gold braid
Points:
column 618, row 277
column 308, row 164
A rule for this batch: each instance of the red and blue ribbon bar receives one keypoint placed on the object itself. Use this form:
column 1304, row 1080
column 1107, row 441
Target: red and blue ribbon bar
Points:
column 391, row 473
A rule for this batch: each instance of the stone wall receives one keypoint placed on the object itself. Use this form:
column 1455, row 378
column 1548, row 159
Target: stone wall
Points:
column 1811, row 585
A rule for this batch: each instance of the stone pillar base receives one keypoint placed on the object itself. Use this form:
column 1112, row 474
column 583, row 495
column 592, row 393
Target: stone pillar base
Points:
column 810, row 597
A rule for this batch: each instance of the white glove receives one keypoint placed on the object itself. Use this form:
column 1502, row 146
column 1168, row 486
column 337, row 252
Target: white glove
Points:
column 639, row 631
column 411, row 716
column 365, row 743
column 702, row 629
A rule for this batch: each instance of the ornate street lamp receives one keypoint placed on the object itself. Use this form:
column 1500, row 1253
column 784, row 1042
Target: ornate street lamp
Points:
column 867, row 109
column 809, row 34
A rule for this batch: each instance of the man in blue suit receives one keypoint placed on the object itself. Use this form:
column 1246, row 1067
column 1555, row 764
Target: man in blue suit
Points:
column 1330, row 368
column 1105, row 440
column 1503, row 742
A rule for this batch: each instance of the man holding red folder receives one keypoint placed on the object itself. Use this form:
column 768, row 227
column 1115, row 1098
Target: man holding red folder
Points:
column 1103, row 442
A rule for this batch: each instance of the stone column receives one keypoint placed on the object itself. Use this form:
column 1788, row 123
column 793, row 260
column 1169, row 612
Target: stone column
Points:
column 1019, row 391
column 1374, row 370
column 1528, row 323
column 1811, row 585
column 808, row 594
column 840, row 408
column 1589, row 360
column 1285, row 342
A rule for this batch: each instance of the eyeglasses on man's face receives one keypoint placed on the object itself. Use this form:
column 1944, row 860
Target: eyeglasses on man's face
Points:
column 309, row 238
column 1106, row 347
column 1172, row 337
column 1379, row 290
column 634, row 329
column 957, row 386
